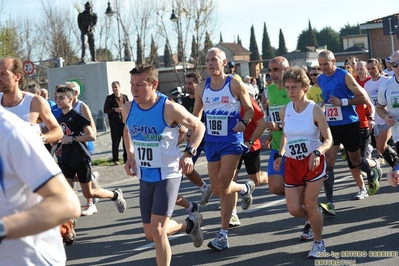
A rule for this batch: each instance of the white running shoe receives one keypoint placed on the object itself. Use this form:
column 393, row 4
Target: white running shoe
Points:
column 316, row 249
column 89, row 209
column 361, row 194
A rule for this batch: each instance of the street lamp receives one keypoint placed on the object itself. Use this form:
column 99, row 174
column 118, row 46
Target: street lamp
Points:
column 176, row 19
column 109, row 12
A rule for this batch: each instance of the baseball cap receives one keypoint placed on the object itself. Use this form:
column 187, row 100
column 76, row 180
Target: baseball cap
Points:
column 231, row 64
column 388, row 59
column 247, row 77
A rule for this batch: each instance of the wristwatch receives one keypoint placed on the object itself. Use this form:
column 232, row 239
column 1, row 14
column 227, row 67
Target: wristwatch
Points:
column 73, row 138
column 251, row 142
column 2, row 230
column 277, row 155
column 317, row 152
column 280, row 126
column 191, row 151
column 245, row 122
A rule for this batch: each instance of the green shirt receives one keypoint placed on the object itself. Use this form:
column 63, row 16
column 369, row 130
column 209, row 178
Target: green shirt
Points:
column 277, row 99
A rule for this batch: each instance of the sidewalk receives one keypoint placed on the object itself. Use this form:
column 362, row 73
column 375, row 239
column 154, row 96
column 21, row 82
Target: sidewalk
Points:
column 103, row 150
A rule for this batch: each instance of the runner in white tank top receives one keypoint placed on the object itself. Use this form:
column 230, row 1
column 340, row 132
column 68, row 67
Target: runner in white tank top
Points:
column 305, row 165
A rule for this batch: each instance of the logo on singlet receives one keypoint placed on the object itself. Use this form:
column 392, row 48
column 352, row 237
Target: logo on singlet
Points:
column 149, row 133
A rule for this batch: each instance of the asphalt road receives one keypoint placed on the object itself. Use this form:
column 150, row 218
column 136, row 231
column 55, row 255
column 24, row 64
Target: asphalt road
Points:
column 268, row 234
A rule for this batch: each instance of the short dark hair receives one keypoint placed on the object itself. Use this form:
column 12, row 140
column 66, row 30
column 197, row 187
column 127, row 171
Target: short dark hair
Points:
column 149, row 70
column 69, row 92
column 197, row 77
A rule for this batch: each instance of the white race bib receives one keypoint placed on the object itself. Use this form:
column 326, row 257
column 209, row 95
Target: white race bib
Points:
column 217, row 125
column 275, row 114
column 333, row 113
column 147, row 153
column 395, row 101
column 298, row 149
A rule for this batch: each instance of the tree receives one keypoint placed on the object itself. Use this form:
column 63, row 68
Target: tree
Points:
column 253, row 46
column 194, row 57
column 140, row 52
column 207, row 45
column 282, row 49
column 221, row 38
column 348, row 29
column 179, row 49
column 267, row 51
column 167, row 56
column 9, row 41
column 239, row 40
column 307, row 38
column 328, row 36
column 154, row 58
column 104, row 54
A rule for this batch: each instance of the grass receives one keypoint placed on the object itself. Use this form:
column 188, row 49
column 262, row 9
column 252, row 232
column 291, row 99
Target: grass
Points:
column 104, row 162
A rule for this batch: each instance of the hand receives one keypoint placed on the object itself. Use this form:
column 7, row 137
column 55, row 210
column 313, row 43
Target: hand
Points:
column 66, row 139
column 130, row 167
column 239, row 127
column 390, row 120
column 186, row 164
column 393, row 178
column 277, row 163
column 371, row 124
column 335, row 101
column 314, row 162
column 118, row 110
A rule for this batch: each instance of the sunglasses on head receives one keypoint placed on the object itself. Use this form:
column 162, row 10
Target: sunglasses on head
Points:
column 394, row 64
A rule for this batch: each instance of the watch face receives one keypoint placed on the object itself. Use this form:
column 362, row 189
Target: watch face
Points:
column 317, row 152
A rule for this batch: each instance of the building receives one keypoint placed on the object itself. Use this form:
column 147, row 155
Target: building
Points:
column 382, row 35
column 239, row 55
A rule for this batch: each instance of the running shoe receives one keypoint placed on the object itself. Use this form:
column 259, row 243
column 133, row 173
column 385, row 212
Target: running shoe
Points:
column 361, row 194
column 374, row 186
column 328, row 208
column 196, row 233
column 234, row 220
column 69, row 237
column 219, row 243
column 307, row 233
column 343, row 154
column 378, row 168
column 317, row 248
column 89, row 209
column 205, row 196
column 381, row 159
column 120, row 202
column 246, row 199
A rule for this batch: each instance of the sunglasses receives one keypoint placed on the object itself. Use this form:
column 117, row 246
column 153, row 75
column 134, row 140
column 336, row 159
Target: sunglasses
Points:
column 315, row 75
column 268, row 78
column 394, row 64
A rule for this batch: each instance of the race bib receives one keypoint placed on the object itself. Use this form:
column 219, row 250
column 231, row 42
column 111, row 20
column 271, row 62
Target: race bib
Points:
column 374, row 100
column 298, row 148
column 395, row 102
column 147, row 153
column 275, row 114
column 333, row 113
column 217, row 125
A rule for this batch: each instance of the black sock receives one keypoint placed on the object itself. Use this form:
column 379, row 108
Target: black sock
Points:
column 190, row 225
column 365, row 167
column 115, row 195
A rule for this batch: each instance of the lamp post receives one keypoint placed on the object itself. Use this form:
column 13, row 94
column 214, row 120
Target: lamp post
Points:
column 176, row 19
column 109, row 12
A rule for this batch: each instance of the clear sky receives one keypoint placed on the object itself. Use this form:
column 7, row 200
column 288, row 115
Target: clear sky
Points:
column 237, row 16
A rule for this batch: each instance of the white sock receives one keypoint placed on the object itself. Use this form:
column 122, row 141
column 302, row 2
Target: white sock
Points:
column 244, row 189
column 204, row 187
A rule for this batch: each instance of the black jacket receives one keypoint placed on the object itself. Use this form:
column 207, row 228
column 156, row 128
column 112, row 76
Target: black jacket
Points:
column 110, row 103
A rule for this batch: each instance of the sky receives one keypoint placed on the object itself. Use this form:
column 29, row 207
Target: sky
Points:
column 235, row 17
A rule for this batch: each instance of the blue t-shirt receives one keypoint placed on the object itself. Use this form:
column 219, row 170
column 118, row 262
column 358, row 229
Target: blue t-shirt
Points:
column 334, row 85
